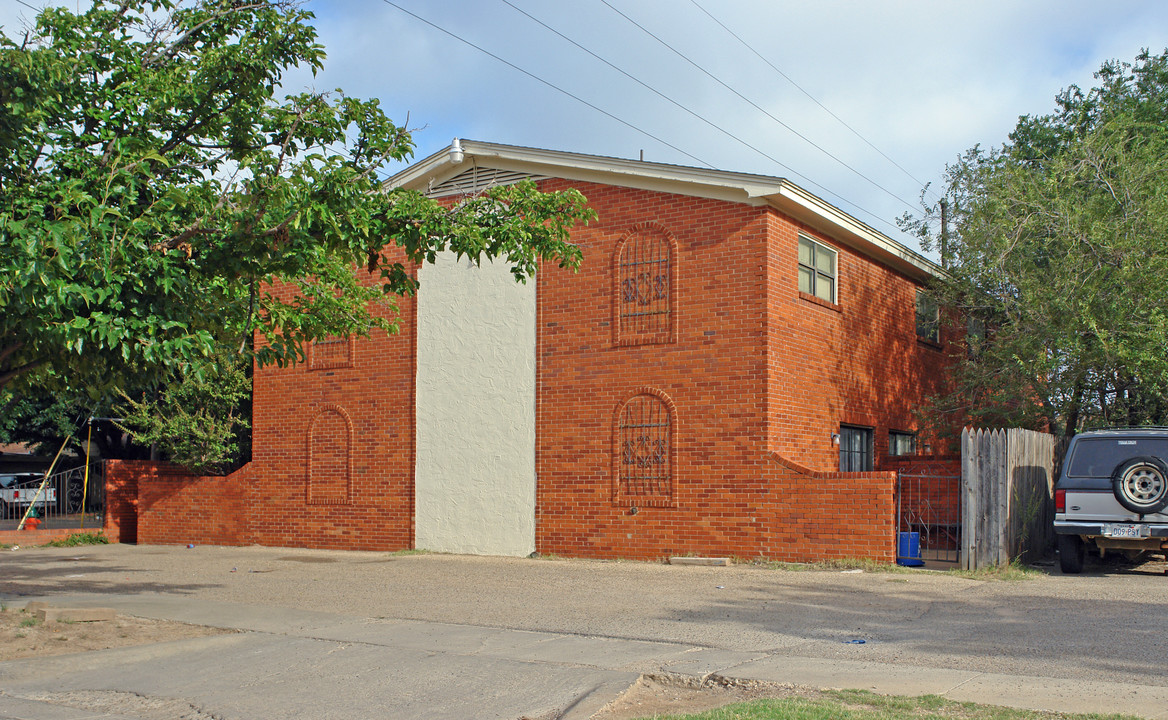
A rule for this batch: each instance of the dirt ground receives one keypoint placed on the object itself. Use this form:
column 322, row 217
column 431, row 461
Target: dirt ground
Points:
column 657, row 695
column 23, row 635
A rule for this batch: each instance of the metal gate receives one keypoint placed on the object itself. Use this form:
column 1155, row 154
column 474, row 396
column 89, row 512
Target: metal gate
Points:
column 67, row 499
column 930, row 504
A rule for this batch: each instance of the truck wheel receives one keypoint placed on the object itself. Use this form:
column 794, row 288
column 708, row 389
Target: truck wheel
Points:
column 1141, row 485
column 1072, row 553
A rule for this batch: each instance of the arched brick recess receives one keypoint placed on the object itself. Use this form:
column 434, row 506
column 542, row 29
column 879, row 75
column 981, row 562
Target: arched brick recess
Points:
column 330, row 457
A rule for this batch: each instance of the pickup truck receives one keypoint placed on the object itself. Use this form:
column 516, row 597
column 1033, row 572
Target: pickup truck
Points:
column 18, row 491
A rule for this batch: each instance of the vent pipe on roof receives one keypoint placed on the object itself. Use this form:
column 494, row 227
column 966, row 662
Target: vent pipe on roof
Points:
column 455, row 152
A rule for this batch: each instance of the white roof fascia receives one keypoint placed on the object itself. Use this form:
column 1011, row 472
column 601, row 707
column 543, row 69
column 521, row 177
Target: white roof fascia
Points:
column 714, row 184
column 802, row 205
column 745, row 188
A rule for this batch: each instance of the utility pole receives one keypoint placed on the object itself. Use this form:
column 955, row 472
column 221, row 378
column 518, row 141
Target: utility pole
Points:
column 944, row 233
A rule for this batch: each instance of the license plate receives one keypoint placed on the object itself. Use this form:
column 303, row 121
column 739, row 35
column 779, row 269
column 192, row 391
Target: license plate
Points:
column 1125, row 531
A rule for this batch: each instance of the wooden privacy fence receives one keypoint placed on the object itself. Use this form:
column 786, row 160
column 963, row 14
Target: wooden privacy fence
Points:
column 1007, row 482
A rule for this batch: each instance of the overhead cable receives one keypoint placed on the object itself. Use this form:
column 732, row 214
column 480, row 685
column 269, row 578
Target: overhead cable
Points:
column 810, row 97
column 663, row 96
column 547, row 83
column 756, row 106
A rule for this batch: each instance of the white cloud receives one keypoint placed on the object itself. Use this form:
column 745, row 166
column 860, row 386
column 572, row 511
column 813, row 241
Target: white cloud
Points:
column 922, row 81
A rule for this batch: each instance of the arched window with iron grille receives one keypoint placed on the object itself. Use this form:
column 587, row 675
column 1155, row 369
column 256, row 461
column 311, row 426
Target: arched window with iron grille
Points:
column 643, row 452
column 644, row 296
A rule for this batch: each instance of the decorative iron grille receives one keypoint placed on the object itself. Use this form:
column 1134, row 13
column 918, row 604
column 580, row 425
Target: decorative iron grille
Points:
column 645, row 464
column 645, row 290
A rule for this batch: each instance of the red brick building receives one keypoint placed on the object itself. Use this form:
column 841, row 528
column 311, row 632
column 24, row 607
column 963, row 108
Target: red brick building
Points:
column 732, row 371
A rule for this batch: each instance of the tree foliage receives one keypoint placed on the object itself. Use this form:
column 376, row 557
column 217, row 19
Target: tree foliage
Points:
column 1056, row 247
column 157, row 201
column 200, row 419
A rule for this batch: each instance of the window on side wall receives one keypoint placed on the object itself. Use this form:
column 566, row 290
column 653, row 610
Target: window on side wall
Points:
column 902, row 443
column 928, row 318
column 975, row 336
column 817, row 269
column 855, row 449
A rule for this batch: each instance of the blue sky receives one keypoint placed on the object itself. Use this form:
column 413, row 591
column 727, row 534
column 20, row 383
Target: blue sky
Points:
column 920, row 80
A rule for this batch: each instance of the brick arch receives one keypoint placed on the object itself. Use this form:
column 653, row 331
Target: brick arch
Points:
column 644, row 432
column 330, row 471
column 644, row 295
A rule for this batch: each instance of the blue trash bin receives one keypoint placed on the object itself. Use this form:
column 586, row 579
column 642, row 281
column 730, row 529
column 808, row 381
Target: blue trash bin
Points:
column 908, row 549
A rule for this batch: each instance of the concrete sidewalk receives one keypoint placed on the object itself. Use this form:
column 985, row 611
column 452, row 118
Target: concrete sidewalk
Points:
column 289, row 663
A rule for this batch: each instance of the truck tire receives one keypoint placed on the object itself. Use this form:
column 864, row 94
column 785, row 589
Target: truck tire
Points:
column 1072, row 554
column 1141, row 484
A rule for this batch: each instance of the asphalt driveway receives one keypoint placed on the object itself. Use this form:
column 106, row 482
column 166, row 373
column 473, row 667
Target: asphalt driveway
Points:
column 549, row 638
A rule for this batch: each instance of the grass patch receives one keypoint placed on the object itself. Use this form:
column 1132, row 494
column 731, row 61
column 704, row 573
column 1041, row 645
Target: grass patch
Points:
column 1013, row 572
column 863, row 705
column 30, row 622
column 87, row 538
column 841, row 564
column 410, row 551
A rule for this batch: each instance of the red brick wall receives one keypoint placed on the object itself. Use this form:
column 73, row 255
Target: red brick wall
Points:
column 857, row 362
column 361, row 496
column 754, row 380
column 121, row 500
column 177, row 508
column 754, row 367
column 361, row 456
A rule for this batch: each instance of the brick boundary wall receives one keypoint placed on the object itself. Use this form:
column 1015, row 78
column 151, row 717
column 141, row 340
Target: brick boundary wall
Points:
column 160, row 503
column 800, row 515
column 784, row 512
column 32, row 538
column 121, row 500
column 832, row 515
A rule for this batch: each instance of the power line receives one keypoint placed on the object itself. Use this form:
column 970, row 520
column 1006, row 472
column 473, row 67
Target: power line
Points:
column 759, row 108
column 809, row 95
column 547, row 83
column 690, row 111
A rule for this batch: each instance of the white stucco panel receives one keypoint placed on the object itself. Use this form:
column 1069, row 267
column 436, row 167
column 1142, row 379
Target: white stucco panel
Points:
column 475, row 474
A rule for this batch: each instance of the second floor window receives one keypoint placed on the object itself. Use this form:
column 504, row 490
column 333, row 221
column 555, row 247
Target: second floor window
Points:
column 928, row 318
column 817, row 269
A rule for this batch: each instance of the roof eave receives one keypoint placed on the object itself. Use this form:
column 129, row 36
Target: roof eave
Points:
column 796, row 202
column 744, row 188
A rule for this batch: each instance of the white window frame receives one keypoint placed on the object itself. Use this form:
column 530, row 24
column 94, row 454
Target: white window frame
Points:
column 814, row 273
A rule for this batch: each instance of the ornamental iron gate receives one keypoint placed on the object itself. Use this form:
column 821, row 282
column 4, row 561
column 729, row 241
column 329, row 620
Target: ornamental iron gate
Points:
column 67, row 499
column 930, row 504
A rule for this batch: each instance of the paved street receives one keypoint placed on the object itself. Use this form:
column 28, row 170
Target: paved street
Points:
column 345, row 634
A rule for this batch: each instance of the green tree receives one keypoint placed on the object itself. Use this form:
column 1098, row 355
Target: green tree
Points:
column 158, row 202
column 200, row 419
column 1055, row 247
